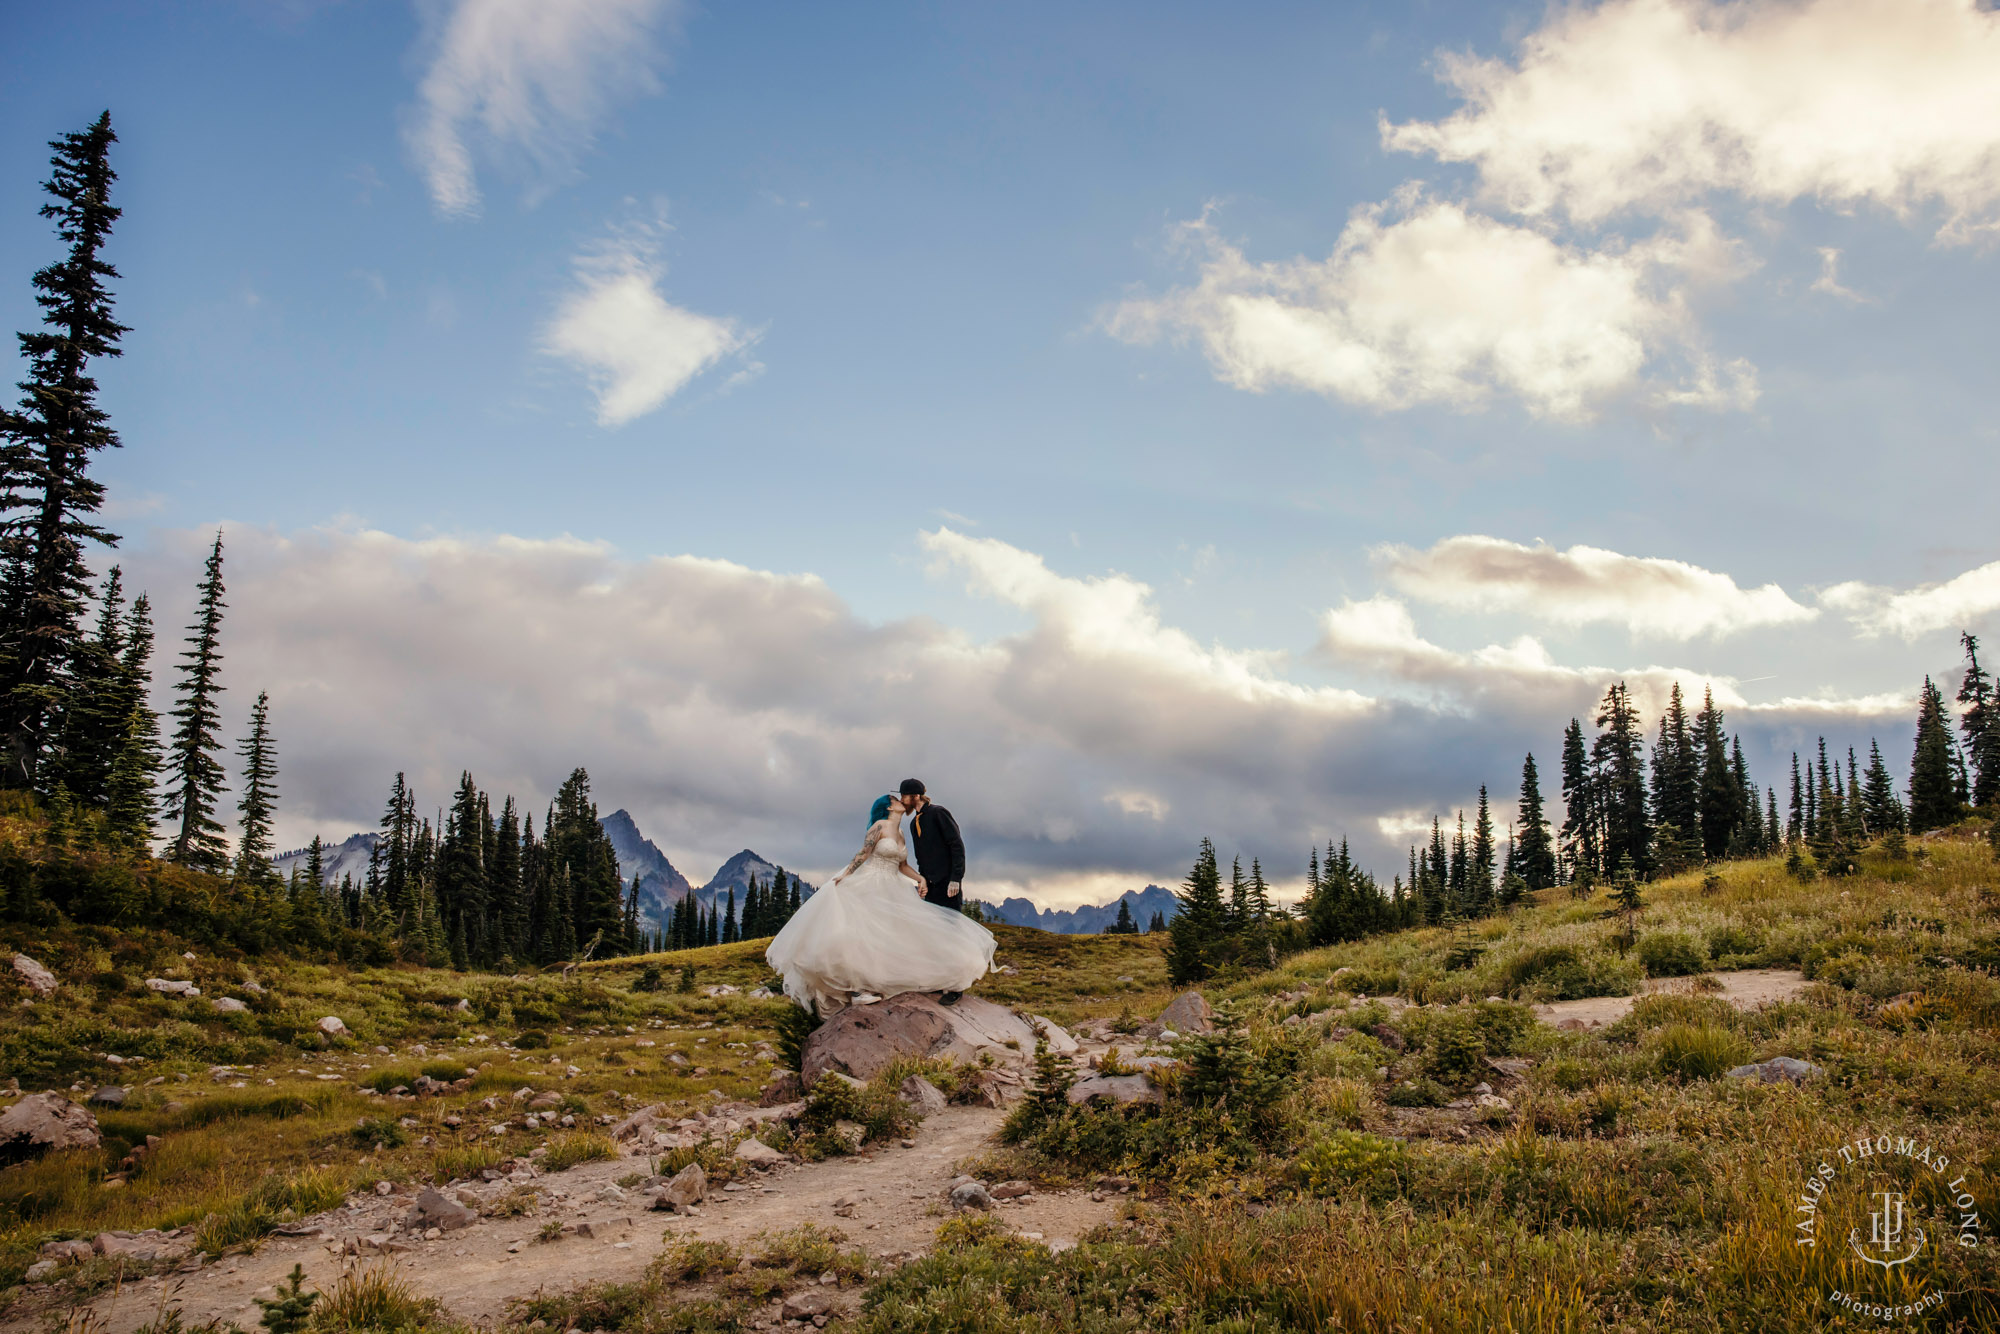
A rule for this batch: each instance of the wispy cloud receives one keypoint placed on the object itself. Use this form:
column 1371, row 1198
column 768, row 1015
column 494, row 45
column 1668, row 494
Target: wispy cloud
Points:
column 637, row 348
column 526, row 82
column 1584, row 585
column 1954, row 604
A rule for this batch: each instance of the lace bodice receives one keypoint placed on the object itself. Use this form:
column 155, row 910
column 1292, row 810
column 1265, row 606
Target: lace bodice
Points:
column 890, row 847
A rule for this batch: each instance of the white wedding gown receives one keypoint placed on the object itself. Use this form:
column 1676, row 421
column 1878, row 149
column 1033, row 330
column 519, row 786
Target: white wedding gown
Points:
column 871, row 931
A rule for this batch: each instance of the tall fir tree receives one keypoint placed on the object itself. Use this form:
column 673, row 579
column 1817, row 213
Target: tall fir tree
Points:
column 1880, row 806
column 195, row 773
column 130, row 802
column 1979, row 721
column 503, row 883
column 1124, row 925
column 1618, row 761
column 462, row 890
column 260, row 799
column 1484, row 856
column 94, row 705
column 48, row 499
column 1676, row 778
column 1239, row 898
column 1534, row 855
column 1721, row 800
column 1933, row 784
column 1581, row 835
column 1197, row 929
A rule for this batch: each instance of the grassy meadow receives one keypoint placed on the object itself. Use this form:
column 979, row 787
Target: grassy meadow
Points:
column 1303, row 1175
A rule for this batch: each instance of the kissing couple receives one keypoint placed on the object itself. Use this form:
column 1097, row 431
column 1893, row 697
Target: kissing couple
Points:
column 883, row 926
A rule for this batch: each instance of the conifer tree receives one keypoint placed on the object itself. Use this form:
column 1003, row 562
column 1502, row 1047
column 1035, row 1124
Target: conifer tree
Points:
column 130, row 803
column 48, row 499
column 1721, row 799
column 1796, row 828
column 1676, row 768
column 729, row 931
column 1239, row 898
column 510, row 909
column 92, row 724
column 1933, row 788
column 1258, row 945
column 1880, row 806
column 260, row 799
column 1580, row 832
column 1124, row 926
column 316, row 864
column 1980, row 724
column 1198, row 927
column 1159, row 922
column 1626, row 902
column 462, row 891
column 1618, row 762
column 1484, row 855
column 195, row 773
column 1534, row 856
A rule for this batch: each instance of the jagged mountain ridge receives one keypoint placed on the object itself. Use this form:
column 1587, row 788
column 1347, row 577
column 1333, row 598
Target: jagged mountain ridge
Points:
column 348, row 857
column 1089, row 919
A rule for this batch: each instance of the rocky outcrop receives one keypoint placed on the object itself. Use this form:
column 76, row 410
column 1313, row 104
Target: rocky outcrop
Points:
column 172, row 987
column 861, row 1040
column 42, row 1122
column 35, row 977
column 921, row 1096
column 1190, row 1013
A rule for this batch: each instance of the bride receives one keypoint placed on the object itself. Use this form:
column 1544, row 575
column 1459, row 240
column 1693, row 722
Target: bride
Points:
column 868, row 932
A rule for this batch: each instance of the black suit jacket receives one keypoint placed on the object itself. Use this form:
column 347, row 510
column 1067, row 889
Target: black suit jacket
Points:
column 935, row 847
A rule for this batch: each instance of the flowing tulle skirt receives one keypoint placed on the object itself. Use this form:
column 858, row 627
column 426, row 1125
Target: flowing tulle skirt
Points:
column 872, row 932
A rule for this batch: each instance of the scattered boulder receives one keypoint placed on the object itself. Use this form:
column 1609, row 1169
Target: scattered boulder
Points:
column 35, row 977
column 758, row 1154
column 1116, row 1088
column 66, row 1252
column 640, row 1124
column 1789, row 1069
column 332, row 1026
column 1190, row 1013
column 545, row 1099
column 786, row 1087
column 1059, row 1040
column 228, row 1005
column 108, row 1095
column 40, row 1271
column 436, row 1209
column 970, row 1195
column 921, row 1096
column 688, row 1186
column 44, row 1121
column 152, row 1244
column 254, row 988
column 1011, row 1190
column 172, row 987
column 861, row 1040
column 1571, row 1025
column 808, row 1303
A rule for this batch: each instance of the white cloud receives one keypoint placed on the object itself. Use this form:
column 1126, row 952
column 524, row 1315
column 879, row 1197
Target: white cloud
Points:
column 637, row 348
column 1426, row 302
column 1647, row 105
column 1951, row 605
column 1584, row 585
column 525, row 79
column 1828, row 281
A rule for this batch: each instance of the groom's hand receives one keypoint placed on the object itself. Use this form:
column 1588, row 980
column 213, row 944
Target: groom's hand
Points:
column 953, row 891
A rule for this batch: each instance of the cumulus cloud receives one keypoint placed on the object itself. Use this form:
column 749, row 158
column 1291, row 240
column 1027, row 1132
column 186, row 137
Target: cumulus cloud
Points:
column 1644, row 105
column 1951, row 605
column 525, row 80
column 1423, row 301
column 1584, row 585
column 637, row 348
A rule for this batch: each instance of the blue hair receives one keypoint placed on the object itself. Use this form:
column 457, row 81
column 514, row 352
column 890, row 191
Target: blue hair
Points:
column 880, row 810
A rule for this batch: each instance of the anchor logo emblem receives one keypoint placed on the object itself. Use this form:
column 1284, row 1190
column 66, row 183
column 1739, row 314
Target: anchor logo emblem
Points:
column 1886, row 1233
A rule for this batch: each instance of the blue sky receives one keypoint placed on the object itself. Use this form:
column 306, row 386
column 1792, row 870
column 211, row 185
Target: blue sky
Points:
column 1218, row 302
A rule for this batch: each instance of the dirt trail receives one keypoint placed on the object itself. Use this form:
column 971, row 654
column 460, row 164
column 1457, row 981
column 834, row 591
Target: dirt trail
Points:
column 896, row 1199
column 1744, row 988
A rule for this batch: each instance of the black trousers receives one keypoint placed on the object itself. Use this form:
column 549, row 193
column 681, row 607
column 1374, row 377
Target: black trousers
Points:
column 939, row 892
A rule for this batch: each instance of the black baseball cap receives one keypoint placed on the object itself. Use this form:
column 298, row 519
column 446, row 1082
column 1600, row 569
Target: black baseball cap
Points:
column 911, row 787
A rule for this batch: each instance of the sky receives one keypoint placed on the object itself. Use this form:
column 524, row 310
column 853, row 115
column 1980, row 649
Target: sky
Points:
column 1142, row 422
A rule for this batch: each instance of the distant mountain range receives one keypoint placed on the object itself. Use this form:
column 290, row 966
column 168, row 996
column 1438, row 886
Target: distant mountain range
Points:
column 335, row 859
column 1090, row 919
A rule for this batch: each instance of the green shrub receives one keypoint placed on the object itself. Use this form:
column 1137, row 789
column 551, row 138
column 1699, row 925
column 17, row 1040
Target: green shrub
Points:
column 387, row 1078
column 531, row 1039
column 1563, row 972
column 1731, row 940
column 566, row 1151
column 1455, row 1048
column 445, row 1072
column 1671, row 954
column 1346, row 1161
column 1417, row 1093
column 378, row 1130
column 1697, row 1051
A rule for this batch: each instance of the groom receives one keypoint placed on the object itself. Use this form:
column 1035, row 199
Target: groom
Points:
column 939, row 854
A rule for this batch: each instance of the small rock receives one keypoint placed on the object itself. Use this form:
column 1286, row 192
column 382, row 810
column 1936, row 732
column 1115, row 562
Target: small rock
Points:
column 1491, row 1100
column 436, row 1209
column 807, row 1303
column 35, row 977
column 849, row 1134
column 41, row 1269
column 108, row 1095
column 970, row 1195
column 1571, row 1025
column 1481, row 1087
column 758, row 1154
column 545, row 1099
column 1011, row 1190
column 611, row 1194
column 167, row 987
column 686, row 1187
column 228, row 1005
column 332, row 1026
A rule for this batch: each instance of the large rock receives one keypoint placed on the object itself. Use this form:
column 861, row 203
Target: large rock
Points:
column 640, row 1124
column 436, row 1209
column 172, row 987
column 1114, row 1088
column 1788, row 1069
column 228, row 1005
column 758, row 1154
column 1060, row 1042
column 1189, row 1013
column 108, row 1095
column 688, row 1186
column 35, row 977
column 783, row 1088
column 921, row 1096
column 332, row 1026
column 862, row 1040
column 44, row 1121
